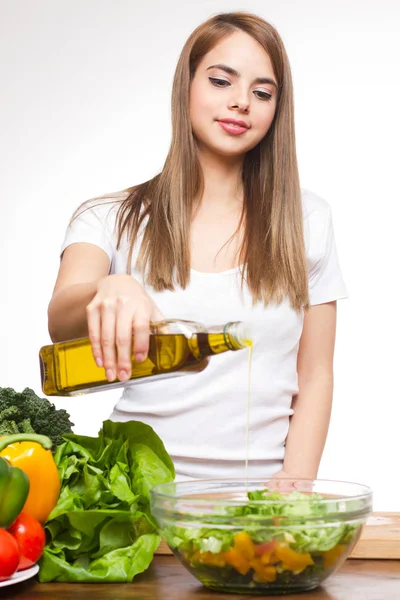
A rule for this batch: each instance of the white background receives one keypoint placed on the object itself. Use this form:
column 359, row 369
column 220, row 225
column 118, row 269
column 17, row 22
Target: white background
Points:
column 84, row 110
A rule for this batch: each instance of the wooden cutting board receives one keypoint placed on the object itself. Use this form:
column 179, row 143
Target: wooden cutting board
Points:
column 380, row 538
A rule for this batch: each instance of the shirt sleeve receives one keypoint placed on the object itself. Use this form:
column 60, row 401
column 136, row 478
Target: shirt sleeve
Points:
column 325, row 277
column 92, row 225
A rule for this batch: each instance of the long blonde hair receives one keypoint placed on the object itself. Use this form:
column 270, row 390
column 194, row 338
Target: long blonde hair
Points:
column 273, row 250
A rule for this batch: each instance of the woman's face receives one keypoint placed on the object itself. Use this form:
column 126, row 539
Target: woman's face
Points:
column 233, row 96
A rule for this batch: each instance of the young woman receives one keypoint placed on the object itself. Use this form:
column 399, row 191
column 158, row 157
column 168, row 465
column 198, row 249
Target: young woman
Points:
column 223, row 233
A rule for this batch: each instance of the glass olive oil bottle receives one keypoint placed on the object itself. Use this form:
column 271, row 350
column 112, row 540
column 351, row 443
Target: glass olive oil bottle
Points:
column 177, row 347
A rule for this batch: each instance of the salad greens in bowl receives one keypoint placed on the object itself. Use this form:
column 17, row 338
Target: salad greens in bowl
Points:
column 245, row 537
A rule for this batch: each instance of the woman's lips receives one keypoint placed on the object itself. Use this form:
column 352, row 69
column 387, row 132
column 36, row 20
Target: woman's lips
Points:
column 233, row 127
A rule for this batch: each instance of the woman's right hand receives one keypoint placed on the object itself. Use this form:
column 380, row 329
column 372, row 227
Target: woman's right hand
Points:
column 120, row 308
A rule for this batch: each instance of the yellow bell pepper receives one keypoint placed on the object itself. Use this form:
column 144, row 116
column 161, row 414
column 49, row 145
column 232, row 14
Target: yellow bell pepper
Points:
column 244, row 545
column 292, row 560
column 234, row 558
column 263, row 573
column 210, row 559
column 266, row 557
column 31, row 453
column 331, row 557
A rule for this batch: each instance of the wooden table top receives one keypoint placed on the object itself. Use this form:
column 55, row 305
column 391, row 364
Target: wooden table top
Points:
column 166, row 579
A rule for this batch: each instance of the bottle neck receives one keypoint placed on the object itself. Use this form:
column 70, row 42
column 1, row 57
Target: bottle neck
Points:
column 237, row 335
column 232, row 336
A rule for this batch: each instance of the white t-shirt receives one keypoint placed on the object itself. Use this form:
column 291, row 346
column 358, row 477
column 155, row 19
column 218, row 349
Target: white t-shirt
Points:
column 201, row 418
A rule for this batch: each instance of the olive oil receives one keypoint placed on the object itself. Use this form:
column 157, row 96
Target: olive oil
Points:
column 248, row 414
column 176, row 347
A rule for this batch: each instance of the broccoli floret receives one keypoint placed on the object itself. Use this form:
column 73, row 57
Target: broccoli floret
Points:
column 8, row 420
column 12, row 413
column 12, row 421
column 7, row 396
column 8, row 428
column 25, row 412
column 25, row 426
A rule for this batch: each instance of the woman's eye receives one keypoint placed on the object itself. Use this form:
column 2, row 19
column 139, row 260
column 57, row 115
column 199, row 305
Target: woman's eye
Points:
column 263, row 95
column 219, row 82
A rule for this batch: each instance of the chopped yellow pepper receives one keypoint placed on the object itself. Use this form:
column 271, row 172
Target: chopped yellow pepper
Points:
column 210, row 559
column 292, row 560
column 244, row 544
column 263, row 573
column 237, row 561
column 332, row 556
column 266, row 557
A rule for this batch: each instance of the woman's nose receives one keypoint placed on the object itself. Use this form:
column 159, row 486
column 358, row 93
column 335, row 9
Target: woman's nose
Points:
column 240, row 104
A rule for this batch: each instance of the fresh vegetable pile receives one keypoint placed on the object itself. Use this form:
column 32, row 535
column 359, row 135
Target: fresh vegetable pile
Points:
column 83, row 511
column 102, row 529
column 298, row 549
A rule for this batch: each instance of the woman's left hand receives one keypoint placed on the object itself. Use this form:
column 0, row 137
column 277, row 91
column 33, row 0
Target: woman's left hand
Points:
column 280, row 474
column 277, row 482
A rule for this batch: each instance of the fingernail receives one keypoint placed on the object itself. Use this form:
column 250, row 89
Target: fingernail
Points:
column 140, row 357
column 110, row 374
column 122, row 375
column 99, row 362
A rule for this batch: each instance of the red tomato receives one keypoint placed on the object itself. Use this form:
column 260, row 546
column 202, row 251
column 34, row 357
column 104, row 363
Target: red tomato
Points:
column 9, row 555
column 264, row 547
column 30, row 537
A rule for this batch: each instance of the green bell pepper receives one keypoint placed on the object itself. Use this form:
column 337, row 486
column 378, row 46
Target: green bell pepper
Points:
column 14, row 489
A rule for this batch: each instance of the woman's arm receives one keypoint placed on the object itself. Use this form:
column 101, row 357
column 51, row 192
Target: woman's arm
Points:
column 87, row 301
column 312, row 406
column 82, row 267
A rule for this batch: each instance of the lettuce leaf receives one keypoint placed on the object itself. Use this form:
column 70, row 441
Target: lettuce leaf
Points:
column 102, row 529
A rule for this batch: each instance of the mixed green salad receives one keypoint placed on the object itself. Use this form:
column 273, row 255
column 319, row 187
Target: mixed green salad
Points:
column 289, row 542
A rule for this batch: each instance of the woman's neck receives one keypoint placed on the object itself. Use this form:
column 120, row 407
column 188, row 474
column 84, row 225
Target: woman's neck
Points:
column 223, row 188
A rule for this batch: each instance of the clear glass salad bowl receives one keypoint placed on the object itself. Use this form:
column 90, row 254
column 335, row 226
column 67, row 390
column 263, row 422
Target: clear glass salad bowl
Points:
column 261, row 537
